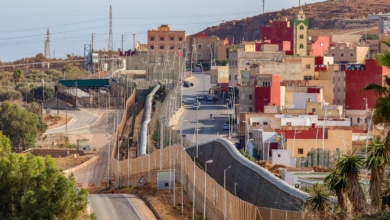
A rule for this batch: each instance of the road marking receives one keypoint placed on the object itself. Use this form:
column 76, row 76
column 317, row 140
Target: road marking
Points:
column 132, row 205
column 111, row 207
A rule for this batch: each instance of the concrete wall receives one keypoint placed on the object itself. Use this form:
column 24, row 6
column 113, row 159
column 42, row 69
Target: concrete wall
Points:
column 255, row 184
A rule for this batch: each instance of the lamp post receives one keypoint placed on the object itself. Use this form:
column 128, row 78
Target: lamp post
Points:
column 205, row 184
column 295, row 133
column 108, row 161
column 323, row 130
column 224, row 187
column 193, row 192
column 235, row 188
column 128, row 161
column 228, row 113
column 196, row 127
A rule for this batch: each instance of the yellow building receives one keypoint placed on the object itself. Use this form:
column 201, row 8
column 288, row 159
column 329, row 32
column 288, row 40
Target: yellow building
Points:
column 165, row 41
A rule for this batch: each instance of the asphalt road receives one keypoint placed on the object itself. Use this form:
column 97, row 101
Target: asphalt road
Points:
column 118, row 207
column 208, row 129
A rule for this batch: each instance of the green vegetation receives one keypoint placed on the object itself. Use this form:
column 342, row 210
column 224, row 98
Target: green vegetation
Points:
column 21, row 126
column 33, row 188
column 344, row 178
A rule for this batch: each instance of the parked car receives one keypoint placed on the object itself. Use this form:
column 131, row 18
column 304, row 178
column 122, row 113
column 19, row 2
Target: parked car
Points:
column 187, row 83
column 196, row 105
column 210, row 98
column 200, row 97
column 225, row 126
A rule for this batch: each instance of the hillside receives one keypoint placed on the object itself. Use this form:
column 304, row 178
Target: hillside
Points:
column 333, row 15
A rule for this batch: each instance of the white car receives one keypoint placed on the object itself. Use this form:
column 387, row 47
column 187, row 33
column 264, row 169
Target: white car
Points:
column 196, row 105
column 200, row 97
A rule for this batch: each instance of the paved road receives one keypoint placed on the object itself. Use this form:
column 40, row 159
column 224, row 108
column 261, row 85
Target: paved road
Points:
column 209, row 129
column 118, row 207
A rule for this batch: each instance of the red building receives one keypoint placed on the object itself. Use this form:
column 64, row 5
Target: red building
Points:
column 355, row 80
column 279, row 33
column 268, row 92
column 319, row 46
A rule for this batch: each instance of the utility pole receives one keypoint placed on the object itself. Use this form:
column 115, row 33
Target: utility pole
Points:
column 133, row 42
column 123, row 39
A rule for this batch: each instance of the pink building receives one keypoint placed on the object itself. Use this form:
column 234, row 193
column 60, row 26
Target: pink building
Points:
column 319, row 46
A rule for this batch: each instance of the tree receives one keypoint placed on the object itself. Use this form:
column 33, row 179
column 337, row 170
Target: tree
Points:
column 18, row 75
column 319, row 201
column 377, row 158
column 21, row 126
column 33, row 188
column 349, row 167
column 338, row 183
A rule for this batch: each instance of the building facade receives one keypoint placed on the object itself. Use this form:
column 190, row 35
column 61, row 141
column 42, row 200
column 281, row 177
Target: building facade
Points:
column 166, row 41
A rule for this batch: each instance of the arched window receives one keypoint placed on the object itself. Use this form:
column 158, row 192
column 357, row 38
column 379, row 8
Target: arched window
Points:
column 301, row 46
column 301, row 36
column 301, row 27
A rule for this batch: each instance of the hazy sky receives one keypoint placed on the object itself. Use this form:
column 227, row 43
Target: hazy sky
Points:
column 23, row 24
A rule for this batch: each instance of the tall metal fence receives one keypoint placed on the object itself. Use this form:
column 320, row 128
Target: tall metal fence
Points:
column 219, row 202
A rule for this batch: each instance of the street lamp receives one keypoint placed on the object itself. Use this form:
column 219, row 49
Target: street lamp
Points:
column 295, row 133
column 128, row 161
column 224, row 187
column 228, row 113
column 204, row 196
column 323, row 130
column 108, row 161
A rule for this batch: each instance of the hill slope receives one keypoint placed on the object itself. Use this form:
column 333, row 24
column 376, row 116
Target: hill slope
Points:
column 334, row 15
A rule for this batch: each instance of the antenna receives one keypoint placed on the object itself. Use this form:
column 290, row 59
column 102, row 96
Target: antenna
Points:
column 47, row 44
column 263, row 6
column 110, row 41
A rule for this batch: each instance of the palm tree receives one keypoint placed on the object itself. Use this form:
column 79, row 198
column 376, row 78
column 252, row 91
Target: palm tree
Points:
column 338, row 183
column 319, row 201
column 377, row 157
column 380, row 150
column 349, row 167
column 18, row 75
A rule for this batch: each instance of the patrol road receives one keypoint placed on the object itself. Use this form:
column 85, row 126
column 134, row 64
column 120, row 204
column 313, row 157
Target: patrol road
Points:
column 208, row 128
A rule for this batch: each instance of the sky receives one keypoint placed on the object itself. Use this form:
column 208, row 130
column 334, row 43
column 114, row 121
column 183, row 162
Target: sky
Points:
column 24, row 24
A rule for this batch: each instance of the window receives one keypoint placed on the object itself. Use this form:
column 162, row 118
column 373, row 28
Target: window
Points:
column 161, row 47
column 230, row 77
column 152, row 38
column 247, row 62
column 301, row 27
column 180, row 39
column 199, row 55
column 308, row 66
column 235, row 77
column 199, row 46
column 300, row 150
column 171, row 47
column 301, row 46
column 351, row 54
column 161, row 38
column 250, row 109
column 321, row 44
column 333, row 54
column 341, row 54
column 152, row 47
column 265, row 123
column 301, row 36
column 250, row 97
column 171, row 38
column 278, row 155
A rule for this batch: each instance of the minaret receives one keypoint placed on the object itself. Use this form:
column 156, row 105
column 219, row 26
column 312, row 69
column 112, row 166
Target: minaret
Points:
column 301, row 28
